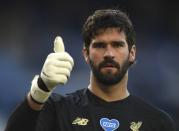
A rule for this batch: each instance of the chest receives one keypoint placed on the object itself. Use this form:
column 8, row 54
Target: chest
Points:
column 94, row 118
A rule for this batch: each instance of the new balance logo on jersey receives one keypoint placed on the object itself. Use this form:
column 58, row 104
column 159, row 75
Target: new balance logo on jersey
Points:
column 80, row 121
column 135, row 125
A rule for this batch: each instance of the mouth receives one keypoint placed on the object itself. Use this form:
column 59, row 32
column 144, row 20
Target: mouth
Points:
column 108, row 66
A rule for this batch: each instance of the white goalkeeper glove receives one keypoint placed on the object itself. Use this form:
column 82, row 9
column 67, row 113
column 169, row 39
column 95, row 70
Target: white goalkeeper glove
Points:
column 56, row 70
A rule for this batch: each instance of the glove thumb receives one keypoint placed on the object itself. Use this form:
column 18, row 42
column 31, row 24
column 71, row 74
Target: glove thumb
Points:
column 58, row 45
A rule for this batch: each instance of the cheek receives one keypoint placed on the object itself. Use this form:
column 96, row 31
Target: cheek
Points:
column 122, row 56
column 96, row 57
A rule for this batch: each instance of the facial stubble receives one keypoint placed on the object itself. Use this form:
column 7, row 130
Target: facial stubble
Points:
column 109, row 78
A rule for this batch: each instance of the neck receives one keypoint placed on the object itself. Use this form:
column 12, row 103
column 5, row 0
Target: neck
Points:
column 109, row 93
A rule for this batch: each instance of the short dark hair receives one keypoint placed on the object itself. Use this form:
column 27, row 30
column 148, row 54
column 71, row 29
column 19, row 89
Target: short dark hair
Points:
column 108, row 18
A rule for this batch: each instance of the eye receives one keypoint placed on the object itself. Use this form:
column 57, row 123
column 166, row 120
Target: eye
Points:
column 99, row 45
column 117, row 44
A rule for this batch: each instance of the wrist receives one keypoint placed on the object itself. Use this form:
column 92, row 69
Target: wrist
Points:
column 32, row 104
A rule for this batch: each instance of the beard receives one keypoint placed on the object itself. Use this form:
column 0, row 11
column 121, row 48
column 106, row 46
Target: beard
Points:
column 109, row 78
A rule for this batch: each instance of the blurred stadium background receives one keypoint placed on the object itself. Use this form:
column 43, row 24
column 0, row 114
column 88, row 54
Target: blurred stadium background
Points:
column 28, row 28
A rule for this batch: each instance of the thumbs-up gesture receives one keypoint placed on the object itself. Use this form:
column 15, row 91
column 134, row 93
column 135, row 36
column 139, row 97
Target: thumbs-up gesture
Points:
column 56, row 70
column 57, row 67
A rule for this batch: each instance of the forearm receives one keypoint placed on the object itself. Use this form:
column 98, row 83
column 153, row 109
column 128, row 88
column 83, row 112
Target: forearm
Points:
column 23, row 118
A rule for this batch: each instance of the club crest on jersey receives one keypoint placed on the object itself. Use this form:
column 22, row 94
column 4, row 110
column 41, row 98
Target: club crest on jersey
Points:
column 135, row 126
column 109, row 125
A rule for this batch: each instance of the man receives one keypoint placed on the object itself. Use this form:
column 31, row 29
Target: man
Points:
column 106, row 104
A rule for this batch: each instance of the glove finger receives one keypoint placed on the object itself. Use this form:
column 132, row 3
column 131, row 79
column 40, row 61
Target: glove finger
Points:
column 56, row 70
column 63, row 64
column 62, row 56
column 57, row 63
column 52, row 70
column 59, row 78
column 55, row 78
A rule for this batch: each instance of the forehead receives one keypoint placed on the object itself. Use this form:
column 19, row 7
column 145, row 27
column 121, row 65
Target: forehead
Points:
column 109, row 34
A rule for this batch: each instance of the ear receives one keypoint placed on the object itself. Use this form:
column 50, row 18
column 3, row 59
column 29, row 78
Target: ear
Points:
column 85, row 55
column 132, row 54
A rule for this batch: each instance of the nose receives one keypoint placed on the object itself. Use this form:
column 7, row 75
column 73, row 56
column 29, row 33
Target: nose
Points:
column 109, row 53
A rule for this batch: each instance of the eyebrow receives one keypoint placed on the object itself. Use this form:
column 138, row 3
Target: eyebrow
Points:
column 112, row 42
column 118, row 42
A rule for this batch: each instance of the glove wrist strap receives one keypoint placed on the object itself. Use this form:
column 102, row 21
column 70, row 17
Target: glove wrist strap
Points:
column 42, row 85
column 38, row 95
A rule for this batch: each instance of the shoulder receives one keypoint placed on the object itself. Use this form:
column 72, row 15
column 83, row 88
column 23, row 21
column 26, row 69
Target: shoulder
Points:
column 146, row 107
column 149, row 110
column 72, row 98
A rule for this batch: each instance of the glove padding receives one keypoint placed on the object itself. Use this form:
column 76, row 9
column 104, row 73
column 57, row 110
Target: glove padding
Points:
column 57, row 67
column 56, row 70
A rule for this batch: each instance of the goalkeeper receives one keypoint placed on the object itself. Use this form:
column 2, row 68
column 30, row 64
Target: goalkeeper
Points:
column 106, row 104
